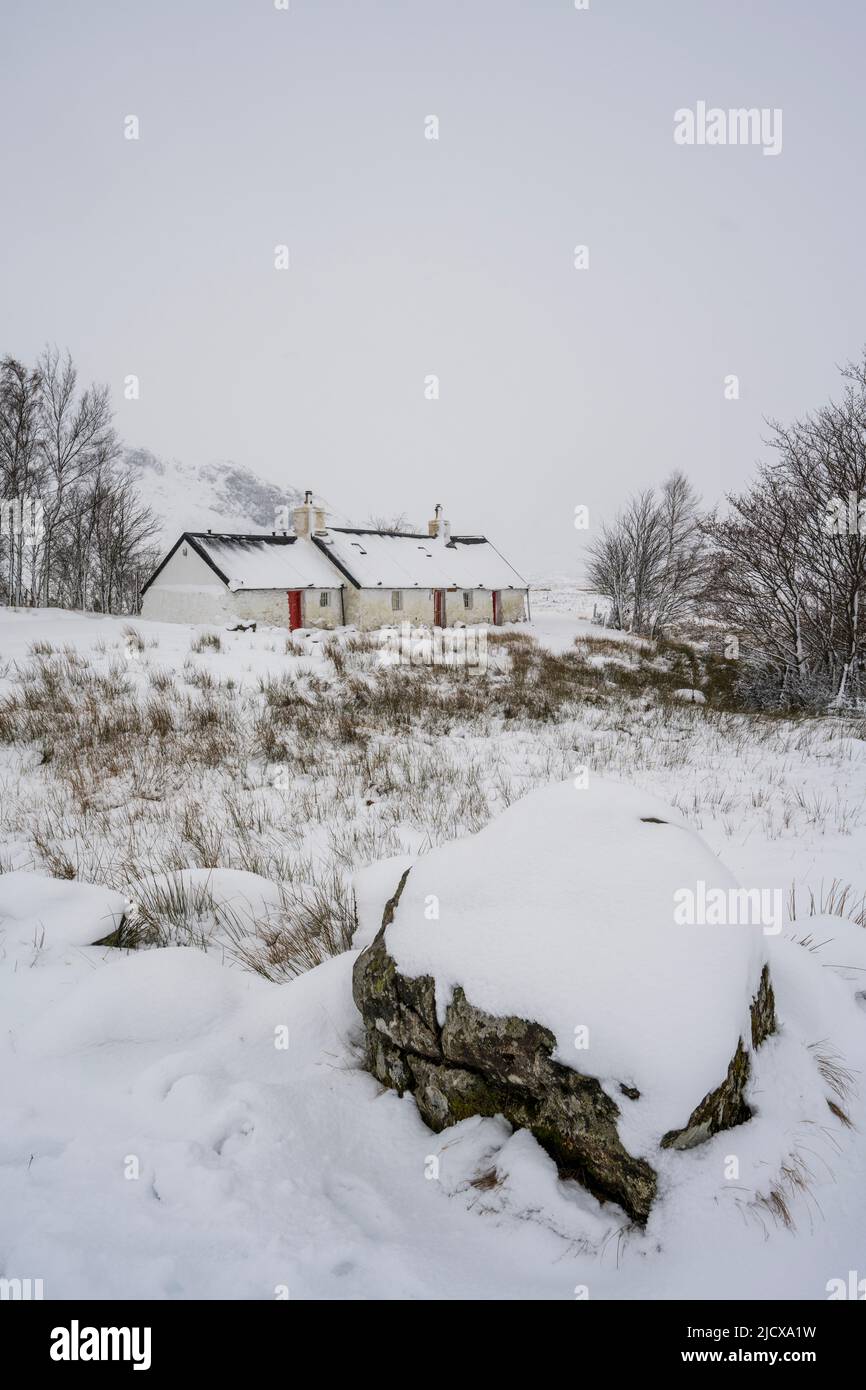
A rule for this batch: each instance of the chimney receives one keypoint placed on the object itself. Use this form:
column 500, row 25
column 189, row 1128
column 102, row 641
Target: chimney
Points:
column 309, row 517
column 438, row 527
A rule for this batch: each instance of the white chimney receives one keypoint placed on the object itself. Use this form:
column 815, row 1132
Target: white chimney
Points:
column 309, row 517
column 439, row 528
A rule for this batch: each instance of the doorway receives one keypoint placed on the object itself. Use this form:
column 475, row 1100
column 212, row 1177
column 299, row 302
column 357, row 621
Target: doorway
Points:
column 295, row 618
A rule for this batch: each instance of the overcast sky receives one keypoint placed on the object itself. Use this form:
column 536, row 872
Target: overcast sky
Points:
column 411, row 257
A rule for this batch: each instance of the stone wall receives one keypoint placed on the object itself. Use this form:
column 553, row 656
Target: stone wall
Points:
column 372, row 608
column 271, row 606
column 513, row 605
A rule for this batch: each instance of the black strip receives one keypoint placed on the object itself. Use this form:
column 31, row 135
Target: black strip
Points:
column 212, row 1340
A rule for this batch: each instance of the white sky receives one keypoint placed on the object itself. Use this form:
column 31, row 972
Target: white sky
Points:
column 454, row 257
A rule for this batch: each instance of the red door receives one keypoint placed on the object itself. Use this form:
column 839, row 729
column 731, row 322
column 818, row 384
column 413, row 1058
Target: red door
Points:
column 438, row 607
column 497, row 608
column 294, row 609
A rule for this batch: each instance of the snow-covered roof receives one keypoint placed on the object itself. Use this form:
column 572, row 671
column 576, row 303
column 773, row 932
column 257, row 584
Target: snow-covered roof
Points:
column 261, row 562
column 395, row 560
column 367, row 559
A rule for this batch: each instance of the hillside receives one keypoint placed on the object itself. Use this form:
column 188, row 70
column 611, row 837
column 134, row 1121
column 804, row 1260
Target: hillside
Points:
column 220, row 496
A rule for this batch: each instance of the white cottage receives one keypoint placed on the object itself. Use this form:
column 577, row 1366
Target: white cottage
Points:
column 321, row 576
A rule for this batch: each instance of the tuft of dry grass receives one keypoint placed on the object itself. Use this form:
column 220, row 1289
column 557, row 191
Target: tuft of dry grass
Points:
column 841, row 1115
column 169, row 910
column 793, row 1180
column 833, row 1070
column 837, row 900
column 335, row 652
column 314, row 922
column 486, row 1181
column 206, row 641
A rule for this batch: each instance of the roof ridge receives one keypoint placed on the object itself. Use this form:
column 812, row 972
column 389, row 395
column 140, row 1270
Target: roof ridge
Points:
column 371, row 531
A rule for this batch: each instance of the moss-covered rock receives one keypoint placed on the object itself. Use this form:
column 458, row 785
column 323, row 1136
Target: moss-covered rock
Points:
column 476, row 1064
column 726, row 1106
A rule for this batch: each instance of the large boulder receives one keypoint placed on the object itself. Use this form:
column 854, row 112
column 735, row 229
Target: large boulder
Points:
column 539, row 971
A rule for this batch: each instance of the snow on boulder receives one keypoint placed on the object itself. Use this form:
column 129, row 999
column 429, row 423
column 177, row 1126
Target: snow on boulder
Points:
column 37, row 912
column 371, row 885
column 543, row 970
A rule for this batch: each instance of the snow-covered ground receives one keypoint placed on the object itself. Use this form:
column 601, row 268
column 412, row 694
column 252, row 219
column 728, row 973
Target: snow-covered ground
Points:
column 568, row 595
column 173, row 1124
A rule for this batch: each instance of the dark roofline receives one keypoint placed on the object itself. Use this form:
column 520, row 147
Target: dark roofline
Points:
column 405, row 535
column 266, row 537
column 192, row 538
column 317, row 540
column 370, row 531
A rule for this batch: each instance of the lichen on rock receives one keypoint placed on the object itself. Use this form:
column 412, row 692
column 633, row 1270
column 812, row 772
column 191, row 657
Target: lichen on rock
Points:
column 476, row 1064
column 448, row 1005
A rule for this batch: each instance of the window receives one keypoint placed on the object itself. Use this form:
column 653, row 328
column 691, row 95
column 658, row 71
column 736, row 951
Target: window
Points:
column 396, row 599
column 468, row 597
column 324, row 599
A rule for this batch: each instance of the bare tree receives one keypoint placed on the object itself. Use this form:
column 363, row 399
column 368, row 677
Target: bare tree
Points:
column 762, row 576
column 610, row 572
column 682, row 573
column 20, row 476
column 399, row 523
column 125, row 536
column 90, row 538
column 77, row 440
column 651, row 562
column 790, row 557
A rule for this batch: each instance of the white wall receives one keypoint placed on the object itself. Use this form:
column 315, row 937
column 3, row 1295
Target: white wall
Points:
column 187, row 591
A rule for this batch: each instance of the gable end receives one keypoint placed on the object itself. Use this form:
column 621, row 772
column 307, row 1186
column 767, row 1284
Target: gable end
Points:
column 187, row 538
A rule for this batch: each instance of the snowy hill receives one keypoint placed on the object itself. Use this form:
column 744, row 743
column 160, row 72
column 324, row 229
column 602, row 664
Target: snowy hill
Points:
column 215, row 496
